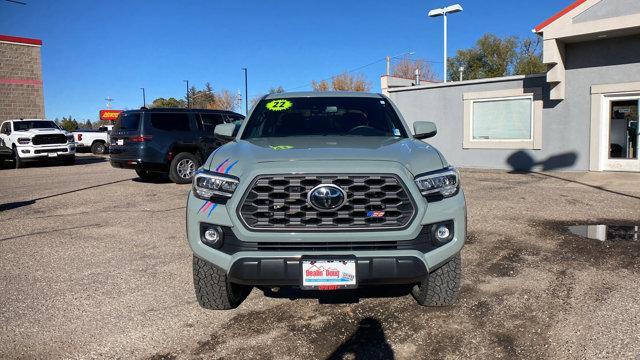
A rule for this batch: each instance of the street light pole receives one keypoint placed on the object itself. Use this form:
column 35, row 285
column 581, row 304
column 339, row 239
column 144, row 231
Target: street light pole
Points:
column 443, row 12
column 246, row 93
column 144, row 98
column 188, row 102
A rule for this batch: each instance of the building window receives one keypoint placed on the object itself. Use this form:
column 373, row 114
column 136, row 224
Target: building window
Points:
column 504, row 119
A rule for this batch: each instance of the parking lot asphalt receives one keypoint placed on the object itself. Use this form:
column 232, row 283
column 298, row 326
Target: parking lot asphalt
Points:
column 95, row 264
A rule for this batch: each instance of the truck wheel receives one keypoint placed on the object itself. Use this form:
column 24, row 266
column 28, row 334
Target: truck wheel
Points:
column 147, row 175
column 213, row 289
column 17, row 161
column 98, row 148
column 183, row 167
column 442, row 286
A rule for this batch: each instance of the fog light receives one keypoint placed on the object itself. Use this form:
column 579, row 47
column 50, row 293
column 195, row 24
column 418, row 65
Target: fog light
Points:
column 442, row 233
column 25, row 151
column 211, row 235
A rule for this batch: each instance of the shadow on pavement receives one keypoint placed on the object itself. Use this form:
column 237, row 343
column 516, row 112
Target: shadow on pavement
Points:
column 350, row 296
column 18, row 204
column 367, row 342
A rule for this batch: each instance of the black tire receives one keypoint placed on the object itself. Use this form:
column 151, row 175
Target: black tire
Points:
column 183, row 167
column 442, row 286
column 147, row 175
column 213, row 289
column 69, row 160
column 17, row 161
column 98, row 148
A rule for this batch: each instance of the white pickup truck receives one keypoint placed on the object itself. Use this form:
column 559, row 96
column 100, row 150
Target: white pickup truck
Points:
column 96, row 140
column 37, row 139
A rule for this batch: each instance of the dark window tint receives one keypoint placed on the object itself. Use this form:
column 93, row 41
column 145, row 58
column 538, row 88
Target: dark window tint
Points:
column 128, row 121
column 37, row 124
column 318, row 116
column 170, row 122
column 209, row 121
column 233, row 117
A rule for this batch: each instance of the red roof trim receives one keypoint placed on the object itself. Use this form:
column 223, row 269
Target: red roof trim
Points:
column 558, row 15
column 20, row 40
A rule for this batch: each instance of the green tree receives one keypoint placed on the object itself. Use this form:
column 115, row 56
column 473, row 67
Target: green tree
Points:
column 168, row 103
column 494, row 57
column 88, row 124
column 69, row 123
column 529, row 58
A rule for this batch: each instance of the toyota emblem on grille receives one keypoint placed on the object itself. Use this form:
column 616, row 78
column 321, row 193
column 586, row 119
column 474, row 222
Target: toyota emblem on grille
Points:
column 326, row 197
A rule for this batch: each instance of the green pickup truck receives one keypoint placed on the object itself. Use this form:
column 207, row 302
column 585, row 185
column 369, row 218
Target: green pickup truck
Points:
column 325, row 191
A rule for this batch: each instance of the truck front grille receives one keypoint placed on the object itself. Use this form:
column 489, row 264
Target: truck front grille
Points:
column 279, row 202
column 49, row 139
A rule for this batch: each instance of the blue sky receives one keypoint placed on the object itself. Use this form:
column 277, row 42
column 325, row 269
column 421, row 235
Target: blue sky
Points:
column 94, row 49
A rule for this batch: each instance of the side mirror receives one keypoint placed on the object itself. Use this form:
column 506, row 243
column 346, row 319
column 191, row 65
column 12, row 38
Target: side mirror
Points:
column 224, row 131
column 424, row 129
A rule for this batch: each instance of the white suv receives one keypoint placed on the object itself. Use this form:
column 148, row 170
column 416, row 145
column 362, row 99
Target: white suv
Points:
column 36, row 139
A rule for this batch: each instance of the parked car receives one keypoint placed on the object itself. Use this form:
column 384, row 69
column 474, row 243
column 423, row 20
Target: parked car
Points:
column 37, row 139
column 166, row 141
column 5, row 155
column 95, row 140
column 326, row 191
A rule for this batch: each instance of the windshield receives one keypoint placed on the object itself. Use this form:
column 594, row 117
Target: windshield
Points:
column 315, row 116
column 34, row 124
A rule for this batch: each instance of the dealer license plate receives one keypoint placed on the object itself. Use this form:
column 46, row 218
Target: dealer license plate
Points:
column 52, row 154
column 328, row 274
column 120, row 142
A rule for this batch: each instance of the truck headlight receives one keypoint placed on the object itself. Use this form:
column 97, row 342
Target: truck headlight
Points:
column 208, row 184
column 70, row 138
column 445, row 183
column 23, row 141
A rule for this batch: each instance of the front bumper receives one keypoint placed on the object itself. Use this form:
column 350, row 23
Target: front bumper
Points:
column 286, row 258
column 286, row 271
column 45, row 151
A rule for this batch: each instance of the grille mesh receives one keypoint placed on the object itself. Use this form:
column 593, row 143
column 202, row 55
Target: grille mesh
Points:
column 280, row 202
column 49, row 139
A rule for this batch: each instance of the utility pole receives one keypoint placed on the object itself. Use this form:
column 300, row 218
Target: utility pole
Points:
column 461, row 71
column 388, row 64
column 188, row 101
column 443, row 12
column 109, row 100
column 246, row 93
column 144, row 98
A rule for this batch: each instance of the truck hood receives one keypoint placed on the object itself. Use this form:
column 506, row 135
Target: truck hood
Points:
column 415, row 155
column 32, row 132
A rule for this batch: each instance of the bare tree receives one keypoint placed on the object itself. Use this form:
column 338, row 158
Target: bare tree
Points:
column 343, row 82
column 323, row 85
column 405, row 68
column 224, row 100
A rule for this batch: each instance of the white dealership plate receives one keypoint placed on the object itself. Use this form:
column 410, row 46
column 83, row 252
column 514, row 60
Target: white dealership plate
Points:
column 53, row 154
column 120, row 141
column 328, row 274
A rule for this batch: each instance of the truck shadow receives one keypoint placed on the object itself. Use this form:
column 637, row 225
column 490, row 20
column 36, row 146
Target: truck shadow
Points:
column 350, row 296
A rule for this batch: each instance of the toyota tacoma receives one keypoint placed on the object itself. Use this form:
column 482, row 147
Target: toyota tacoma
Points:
column 325, row 191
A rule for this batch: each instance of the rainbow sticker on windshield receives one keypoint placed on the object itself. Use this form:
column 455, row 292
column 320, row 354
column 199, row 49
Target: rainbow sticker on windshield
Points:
column 279, row 105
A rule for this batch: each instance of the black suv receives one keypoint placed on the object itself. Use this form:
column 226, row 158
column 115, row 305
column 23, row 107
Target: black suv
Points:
column 168, row 140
